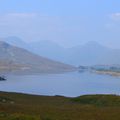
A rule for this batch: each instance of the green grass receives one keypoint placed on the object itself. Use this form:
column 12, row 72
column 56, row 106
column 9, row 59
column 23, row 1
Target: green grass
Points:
column 98, row 100
column 31, row 107
column 4, row 116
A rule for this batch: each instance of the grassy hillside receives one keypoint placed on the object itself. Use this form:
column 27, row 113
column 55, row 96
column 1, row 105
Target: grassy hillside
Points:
column 29, row 107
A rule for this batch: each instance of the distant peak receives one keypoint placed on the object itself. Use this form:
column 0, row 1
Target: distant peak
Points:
column 4, row 44
column 93, row 43
column 13, row 37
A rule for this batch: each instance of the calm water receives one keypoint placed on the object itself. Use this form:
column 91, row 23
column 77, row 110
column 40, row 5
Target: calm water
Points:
column 69, row 84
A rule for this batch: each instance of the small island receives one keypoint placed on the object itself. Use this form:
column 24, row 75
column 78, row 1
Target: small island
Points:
column 2, row 78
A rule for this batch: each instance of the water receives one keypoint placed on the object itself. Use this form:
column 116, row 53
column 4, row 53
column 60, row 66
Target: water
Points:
column 67, row 84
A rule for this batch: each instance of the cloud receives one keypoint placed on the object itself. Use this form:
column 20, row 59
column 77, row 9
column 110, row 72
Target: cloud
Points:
column 115, row 16
column 30, row 26
column 36, row 26
column 15, row 18
column 113, row 21
column 22, row 15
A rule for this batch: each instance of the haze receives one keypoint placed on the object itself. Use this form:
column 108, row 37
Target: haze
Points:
column 66, row 22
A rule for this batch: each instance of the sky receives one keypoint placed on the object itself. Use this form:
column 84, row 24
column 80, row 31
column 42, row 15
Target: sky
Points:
column 67, row 22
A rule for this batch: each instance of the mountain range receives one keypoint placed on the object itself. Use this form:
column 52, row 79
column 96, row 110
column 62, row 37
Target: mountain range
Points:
column 91, row 53
column 15, row 59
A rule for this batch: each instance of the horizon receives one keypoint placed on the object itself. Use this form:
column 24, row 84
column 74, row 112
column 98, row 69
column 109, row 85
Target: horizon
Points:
column 68, row 23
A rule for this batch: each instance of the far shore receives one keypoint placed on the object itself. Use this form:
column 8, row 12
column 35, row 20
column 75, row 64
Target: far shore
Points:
column 117, row 74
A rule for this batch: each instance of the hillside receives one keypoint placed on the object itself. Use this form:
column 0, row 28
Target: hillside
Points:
column 15, row 106
column 15, row 59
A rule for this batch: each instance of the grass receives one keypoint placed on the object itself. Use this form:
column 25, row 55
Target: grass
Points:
column 98, row 100
column 15, row 106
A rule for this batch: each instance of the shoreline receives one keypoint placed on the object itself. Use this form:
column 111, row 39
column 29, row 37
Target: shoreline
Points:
column 111, row 73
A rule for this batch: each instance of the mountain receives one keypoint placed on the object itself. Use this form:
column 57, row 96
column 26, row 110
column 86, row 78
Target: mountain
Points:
column 93, row 53
column 90, row 53
column 44, row 48
column 48, row 49
column 17, row 59
column 16, row 41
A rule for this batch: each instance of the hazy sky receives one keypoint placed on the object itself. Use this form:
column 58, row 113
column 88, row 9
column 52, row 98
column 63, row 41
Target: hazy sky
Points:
column 68, row 22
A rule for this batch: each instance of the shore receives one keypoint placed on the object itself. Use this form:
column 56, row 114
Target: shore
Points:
column 117, row 74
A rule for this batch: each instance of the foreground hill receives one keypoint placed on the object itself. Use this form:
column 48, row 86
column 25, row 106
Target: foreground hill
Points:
column 30, row 107
column 15, row 59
